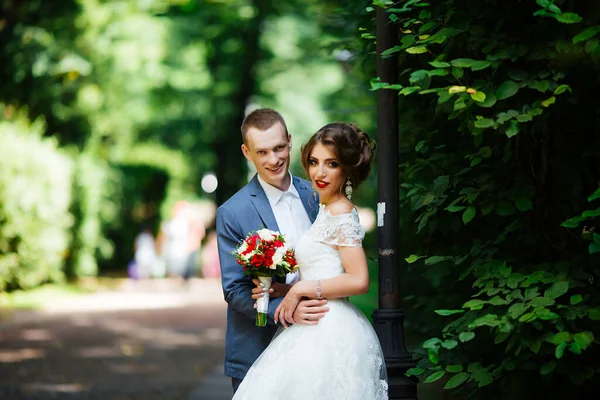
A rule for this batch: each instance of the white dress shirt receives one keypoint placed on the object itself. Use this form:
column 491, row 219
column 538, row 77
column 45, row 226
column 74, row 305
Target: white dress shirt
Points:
column 290, row 215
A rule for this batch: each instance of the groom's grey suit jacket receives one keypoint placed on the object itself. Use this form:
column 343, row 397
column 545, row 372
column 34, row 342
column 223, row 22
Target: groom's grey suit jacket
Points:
column 246, row 211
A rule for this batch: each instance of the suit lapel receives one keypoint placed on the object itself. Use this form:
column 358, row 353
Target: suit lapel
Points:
column 309, row 199
column 262, row 205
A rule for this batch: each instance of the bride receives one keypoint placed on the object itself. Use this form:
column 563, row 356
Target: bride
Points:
column 338, row 358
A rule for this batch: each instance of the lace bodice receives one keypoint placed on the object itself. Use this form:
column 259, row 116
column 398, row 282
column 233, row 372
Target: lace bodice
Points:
column 314, row 252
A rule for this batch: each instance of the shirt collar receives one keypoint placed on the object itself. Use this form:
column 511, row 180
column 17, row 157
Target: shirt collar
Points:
column 274, row 194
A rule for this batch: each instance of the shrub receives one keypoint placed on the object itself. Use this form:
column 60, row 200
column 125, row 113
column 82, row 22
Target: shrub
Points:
column 35, row 194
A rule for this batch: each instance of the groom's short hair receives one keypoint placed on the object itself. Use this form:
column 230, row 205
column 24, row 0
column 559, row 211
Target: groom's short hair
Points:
column 262, row 119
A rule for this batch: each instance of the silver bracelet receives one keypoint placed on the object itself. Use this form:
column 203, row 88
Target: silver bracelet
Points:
column 319, row 292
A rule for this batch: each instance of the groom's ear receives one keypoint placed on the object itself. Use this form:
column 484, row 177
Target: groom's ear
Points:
column 246, row 152
column 289, row 141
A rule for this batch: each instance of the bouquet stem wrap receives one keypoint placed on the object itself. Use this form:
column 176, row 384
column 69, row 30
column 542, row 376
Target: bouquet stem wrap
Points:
column 263, row 303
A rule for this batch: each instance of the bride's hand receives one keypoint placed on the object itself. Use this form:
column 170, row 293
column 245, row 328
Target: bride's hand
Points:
column 277, row 290
column 284, row 312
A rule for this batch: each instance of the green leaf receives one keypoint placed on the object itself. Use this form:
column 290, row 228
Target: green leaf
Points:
column 562, row 89
column 435, row 376
column 490, row 100
column 541, row 302
column 485, row 152
column 488, row 319
column 475, row 304
column 576, row 299
column 504, row 208
column 457, row 72
column 513, row 129
column 462, row 62
column 413, row 258
column 557, row 289
column 455, row 208
column 523, row 204
column 561, row 337
column 479, row 65
column 594, row 314
column 478, row 96
column 560, row 350
column 409, row 90
column 548, row 102
column 524, row 118
column 583, row 339
column 593, row 248
column 449, row 344
column 595, row 195
column 484, row 123
column 435, row 260
column 507, row 89
column 423, row 201
column 568, row 18
column 417, row 50
column 516, row 310
column 445, row 313
column 535, row 346
column 549, row 5
column 454, row 368
column 468, row 215
column 586, row 34
column 457, row 380
column 414, row 371
column 390, row 51
column 440, row 184
column 420, row 146
column 548, row 367
column 440, row 64
column 466, row 336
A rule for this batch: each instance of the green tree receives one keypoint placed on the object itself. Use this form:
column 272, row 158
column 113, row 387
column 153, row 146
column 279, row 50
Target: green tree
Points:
column 498, row 100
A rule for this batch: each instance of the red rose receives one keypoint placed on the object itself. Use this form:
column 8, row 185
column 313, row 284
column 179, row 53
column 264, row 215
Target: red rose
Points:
column 278, row 243
column 257, row 260
column 269, row 252
column 268, row 261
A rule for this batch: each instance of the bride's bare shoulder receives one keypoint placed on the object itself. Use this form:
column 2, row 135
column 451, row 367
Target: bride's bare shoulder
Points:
column 344, row 206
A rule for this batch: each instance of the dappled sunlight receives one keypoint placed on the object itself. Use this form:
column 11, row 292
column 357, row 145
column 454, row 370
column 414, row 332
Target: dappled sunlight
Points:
column 36, row 334
column 97, row 352
column 55, row 387
column 20, row 355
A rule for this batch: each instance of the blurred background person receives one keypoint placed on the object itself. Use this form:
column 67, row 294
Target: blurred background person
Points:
column 145, row 253
column 174, row 242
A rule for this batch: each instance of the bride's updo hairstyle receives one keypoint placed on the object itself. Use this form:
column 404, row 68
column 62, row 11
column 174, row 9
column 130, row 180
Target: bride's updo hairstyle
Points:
column 351, row 146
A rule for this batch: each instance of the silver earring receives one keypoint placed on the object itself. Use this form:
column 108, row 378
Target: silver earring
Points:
column 348, row 189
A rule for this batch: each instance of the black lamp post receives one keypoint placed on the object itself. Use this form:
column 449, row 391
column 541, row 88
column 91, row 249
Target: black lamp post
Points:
column 389, row 318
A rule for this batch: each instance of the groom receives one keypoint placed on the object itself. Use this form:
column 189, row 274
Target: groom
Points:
column 273, row 199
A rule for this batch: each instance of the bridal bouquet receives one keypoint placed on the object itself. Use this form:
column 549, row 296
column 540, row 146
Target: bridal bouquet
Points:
column 265, row 254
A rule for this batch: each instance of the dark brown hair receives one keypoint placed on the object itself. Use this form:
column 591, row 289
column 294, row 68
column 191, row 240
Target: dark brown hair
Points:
column 262, row 119
column 351, row 146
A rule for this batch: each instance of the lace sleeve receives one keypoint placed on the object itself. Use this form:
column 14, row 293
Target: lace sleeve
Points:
column 341, row 230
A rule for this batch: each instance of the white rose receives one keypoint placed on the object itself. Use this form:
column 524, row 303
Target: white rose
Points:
column 278, row 256
column 248, row 256
column 242, row 248
column 265, row 234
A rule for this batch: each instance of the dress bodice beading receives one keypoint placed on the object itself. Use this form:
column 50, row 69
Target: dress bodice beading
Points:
column 316, row 252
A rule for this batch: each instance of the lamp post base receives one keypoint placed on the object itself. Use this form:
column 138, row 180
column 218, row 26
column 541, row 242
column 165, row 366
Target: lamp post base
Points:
column 389, row 326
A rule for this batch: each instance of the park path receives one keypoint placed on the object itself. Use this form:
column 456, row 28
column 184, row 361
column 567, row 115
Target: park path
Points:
column 145, row 341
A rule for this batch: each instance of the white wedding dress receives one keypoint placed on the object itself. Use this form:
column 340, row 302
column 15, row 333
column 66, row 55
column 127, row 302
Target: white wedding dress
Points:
column 340, row 358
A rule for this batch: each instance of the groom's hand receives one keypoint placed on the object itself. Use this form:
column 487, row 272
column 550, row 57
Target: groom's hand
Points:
column 309, row 312
column 277, row 290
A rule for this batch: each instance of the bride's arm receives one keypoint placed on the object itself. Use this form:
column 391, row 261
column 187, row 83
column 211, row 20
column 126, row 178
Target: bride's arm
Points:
column 353, row 282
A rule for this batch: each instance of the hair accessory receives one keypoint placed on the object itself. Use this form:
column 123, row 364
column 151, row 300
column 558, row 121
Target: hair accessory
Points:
column 348, row 189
